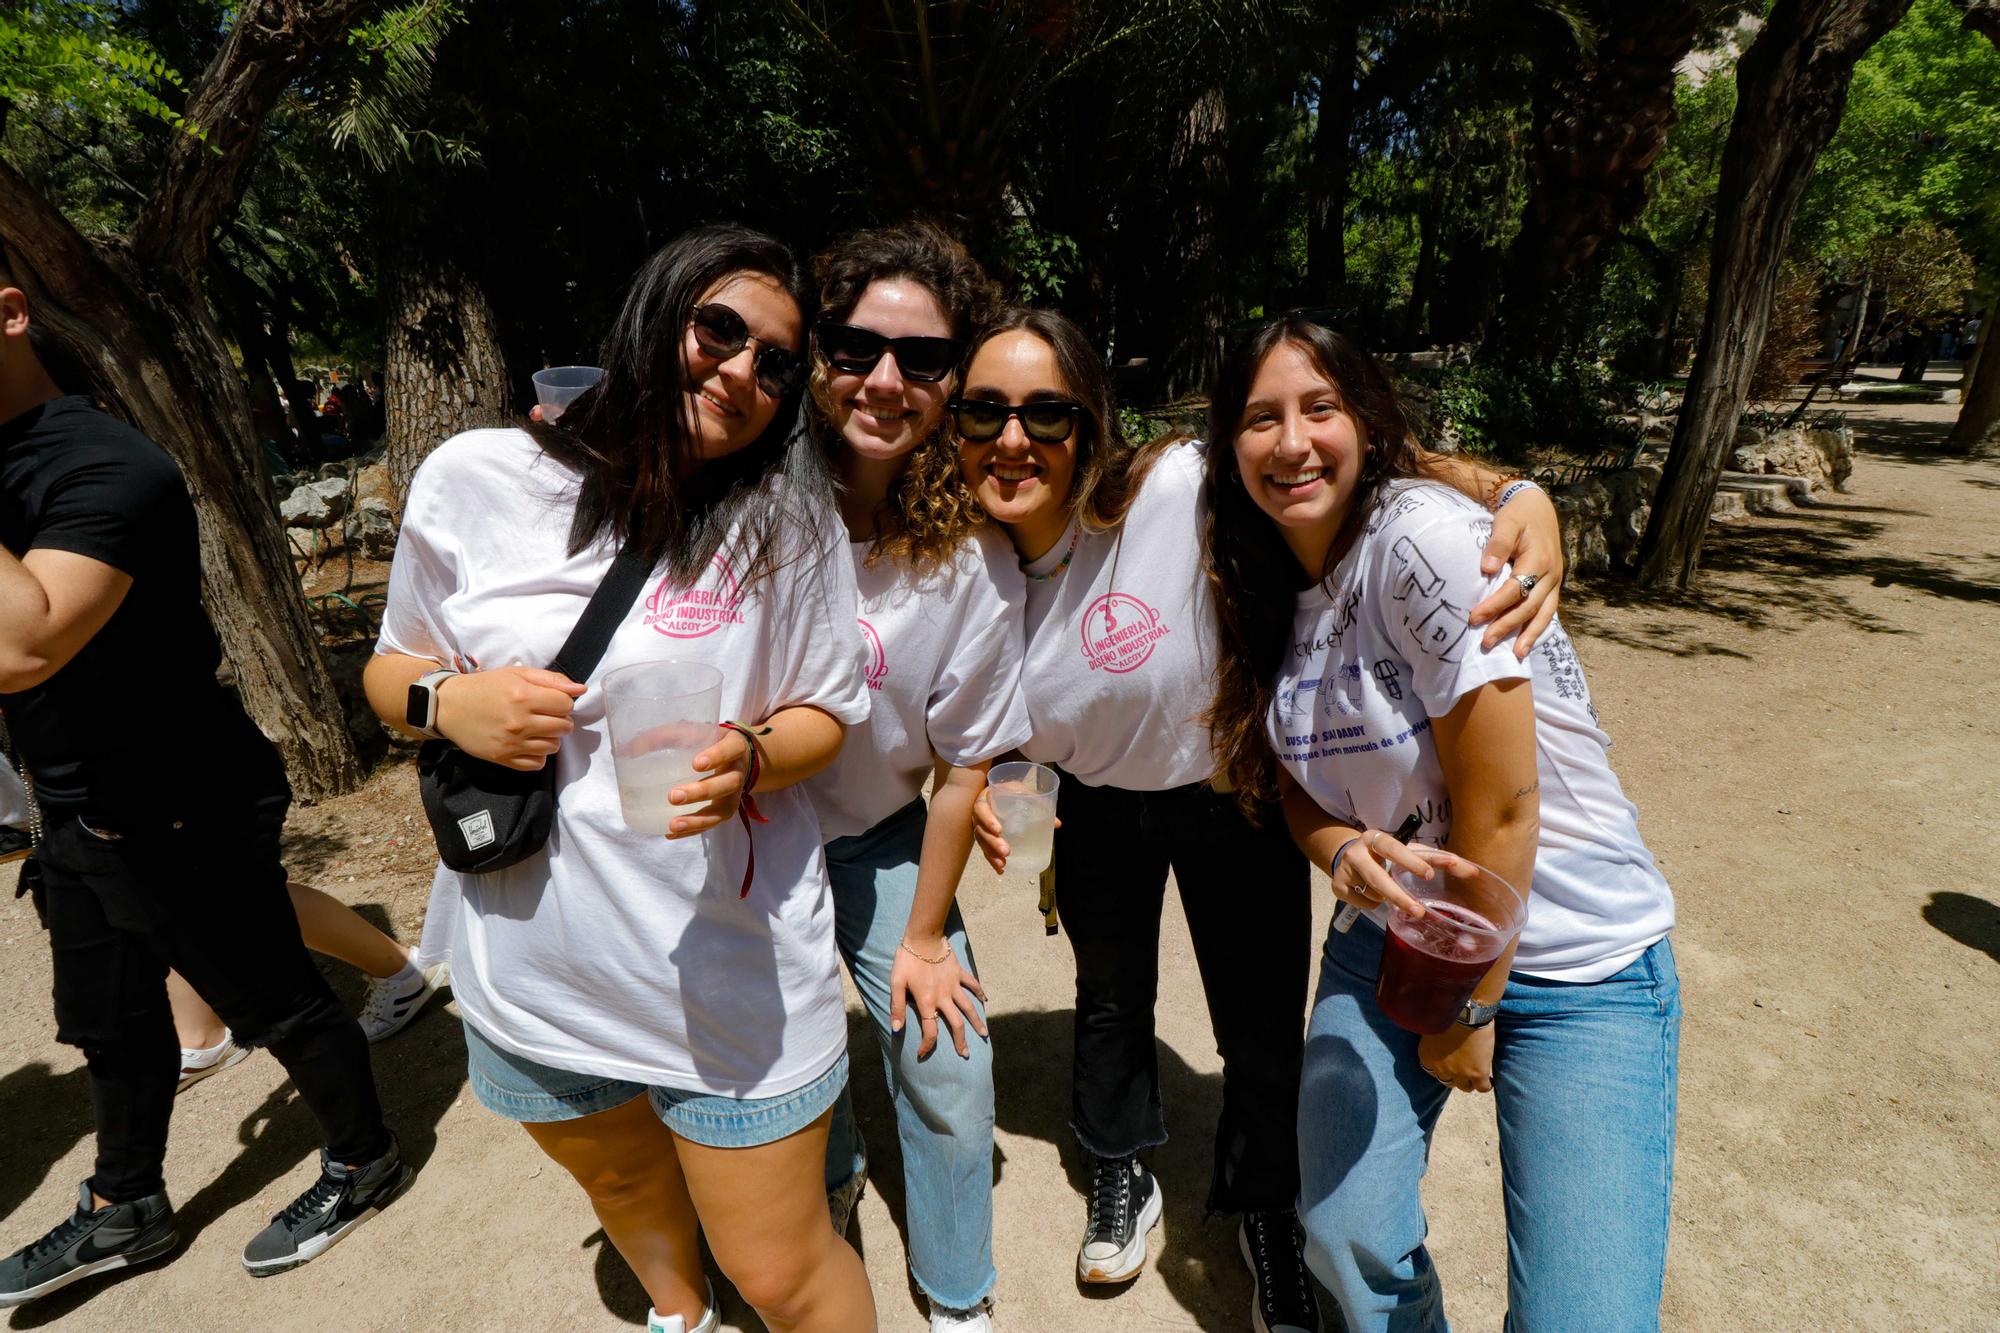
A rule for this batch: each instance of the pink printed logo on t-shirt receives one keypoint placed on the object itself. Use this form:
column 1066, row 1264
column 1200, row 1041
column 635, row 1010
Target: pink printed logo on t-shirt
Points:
column 1119, row 632
column 878, row 657
column 690, row 613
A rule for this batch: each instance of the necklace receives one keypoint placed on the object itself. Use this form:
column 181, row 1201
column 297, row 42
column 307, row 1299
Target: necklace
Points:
column 1068, row 556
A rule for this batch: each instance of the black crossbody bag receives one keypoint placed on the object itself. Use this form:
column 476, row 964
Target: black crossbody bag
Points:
column 487, row 816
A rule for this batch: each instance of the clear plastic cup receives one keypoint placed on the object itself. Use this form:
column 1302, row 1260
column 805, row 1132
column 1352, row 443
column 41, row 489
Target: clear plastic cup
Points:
column 557, row 387
column 1024, row 797
column 661, row 715
column 1431, row 964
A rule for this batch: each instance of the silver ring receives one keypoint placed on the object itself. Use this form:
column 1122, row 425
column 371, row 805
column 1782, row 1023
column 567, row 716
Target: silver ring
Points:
column 1527, row 582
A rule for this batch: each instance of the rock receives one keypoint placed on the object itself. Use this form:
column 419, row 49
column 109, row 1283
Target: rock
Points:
column 375, row 528
column 1604, row 516
column 1825, row 458
column 371, row 482
column 317, row 504
column 1950, row 396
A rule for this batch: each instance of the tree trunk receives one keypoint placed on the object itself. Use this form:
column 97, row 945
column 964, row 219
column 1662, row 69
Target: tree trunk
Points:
column 153, row 345
column 1423, row 282
column 1194, row 305
column 445, row 372
column 1326, row 204
column 1604, row 121
column 1977, row 431
column 134, row 306
column 1791, row 87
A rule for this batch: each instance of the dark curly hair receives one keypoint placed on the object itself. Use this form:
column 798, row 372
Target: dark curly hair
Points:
column 928, row 513
column 1253, row 575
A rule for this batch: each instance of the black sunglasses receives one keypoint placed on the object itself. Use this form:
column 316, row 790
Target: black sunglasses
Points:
column 853, row 350
column 1047, row 420
column 721, row 333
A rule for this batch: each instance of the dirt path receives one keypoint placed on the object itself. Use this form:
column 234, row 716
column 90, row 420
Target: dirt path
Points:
column 1815, row 762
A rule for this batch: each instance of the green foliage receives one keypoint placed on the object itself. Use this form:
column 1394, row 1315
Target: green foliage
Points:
column 1916, row 142
column 389, row 91
column 74, row 55
column 1039, row 264
column 1505, row 412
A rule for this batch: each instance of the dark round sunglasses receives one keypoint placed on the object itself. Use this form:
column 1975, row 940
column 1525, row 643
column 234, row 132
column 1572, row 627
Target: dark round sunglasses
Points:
column 1046, row 421
column 853, row 350
column 721, row 333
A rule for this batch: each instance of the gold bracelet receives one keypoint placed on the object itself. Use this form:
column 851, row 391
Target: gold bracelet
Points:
column 932, row 961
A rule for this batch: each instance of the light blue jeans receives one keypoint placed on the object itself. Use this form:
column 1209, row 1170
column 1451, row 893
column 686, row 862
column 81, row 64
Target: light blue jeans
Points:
column 944, row 1102
column 1583, row 1081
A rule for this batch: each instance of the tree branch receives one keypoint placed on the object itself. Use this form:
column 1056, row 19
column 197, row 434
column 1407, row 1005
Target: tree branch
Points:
column 37, row 238
column 1982, row 16
column 205, row 177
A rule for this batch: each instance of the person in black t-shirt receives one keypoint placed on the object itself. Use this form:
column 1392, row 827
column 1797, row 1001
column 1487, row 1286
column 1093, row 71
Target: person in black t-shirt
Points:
column 162, row 808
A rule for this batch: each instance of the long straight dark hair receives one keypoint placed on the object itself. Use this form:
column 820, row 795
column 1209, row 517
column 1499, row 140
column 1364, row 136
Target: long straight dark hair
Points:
column 1254, row 576
column 644, row 480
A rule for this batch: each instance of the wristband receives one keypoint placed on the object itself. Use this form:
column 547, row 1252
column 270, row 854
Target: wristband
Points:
column 746, row 809
column 1334, row 864
column 1512, row 489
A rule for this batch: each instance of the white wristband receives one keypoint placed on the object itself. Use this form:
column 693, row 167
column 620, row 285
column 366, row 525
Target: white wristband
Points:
column 1512, row 489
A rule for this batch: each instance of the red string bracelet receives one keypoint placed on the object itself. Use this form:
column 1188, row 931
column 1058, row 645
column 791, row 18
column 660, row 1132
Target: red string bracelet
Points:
column 746, row 809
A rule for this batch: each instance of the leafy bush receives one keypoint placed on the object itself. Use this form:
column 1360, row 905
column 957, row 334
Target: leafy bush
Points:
column 1505, row 411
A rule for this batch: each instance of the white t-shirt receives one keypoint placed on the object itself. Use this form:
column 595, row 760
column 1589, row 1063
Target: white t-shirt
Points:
column 612, row 952
column 1121, row 645
column 944, row 673
column 1383, row 647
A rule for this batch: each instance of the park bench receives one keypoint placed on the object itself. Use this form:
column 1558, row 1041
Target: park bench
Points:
column 1814, row 375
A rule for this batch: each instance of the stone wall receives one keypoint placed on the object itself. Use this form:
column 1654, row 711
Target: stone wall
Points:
column 1825, row 458
column 1604, row 516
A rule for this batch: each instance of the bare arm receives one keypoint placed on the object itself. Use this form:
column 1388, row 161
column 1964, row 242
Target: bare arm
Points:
column 515, row 716
column 801, row 741
column 940, row 985
column 1486, row 747
column 1527, row 534
column 51, row 604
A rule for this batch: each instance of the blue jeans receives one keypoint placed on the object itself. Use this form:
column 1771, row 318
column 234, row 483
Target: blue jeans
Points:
column 1583, row 1080
column 944, row 1102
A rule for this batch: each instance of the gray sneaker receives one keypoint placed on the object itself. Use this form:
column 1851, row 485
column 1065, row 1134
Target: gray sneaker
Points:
column 341, row 1200
column 842, row 1200
column 94, row 1240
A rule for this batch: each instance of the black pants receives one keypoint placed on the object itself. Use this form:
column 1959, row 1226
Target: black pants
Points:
column 1247, row 895
column 206, row 897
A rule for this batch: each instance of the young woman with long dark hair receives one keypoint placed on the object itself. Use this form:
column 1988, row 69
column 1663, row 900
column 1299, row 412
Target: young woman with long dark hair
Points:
column 1353, row 689
column 662, row 1014
column 940, row 617
column 1120, row 670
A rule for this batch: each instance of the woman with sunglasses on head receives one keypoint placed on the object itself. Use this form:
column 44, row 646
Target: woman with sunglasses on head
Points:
column 940, row 616
column 1120, row 670
column 662, row 1014
column 1342, row 580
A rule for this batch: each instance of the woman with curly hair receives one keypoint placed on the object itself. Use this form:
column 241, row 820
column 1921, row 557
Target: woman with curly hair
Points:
column 940, row 620
column 1120, row 670
column 1354, row 690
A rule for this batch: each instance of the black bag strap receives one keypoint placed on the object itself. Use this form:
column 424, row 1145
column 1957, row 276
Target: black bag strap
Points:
column 585, row 646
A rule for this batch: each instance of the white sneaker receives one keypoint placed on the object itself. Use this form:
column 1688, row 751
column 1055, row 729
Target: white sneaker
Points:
column 979, row 1319
column 197, row 1064
column 711, row 1319
column 392, row 1002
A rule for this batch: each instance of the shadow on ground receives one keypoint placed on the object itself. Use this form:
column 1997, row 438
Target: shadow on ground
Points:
column 1971, row 921
column 419, row 1073
column 1786, row 572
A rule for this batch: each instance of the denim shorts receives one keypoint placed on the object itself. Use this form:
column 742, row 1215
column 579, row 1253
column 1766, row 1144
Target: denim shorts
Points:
column 522, row 1090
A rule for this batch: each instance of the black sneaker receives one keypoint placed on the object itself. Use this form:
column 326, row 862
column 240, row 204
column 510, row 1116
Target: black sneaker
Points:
column 342, row 1199
column 96, row 1241
column 1282, row 1300
column 1124, row 1206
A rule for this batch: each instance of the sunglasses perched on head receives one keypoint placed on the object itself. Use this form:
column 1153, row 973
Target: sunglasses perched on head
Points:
column 721, row 333
column 1046, row 421
column 853, row 350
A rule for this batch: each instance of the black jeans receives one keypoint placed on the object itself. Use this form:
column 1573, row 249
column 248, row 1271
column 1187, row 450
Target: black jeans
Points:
column 1247, row 895
column 206, row 897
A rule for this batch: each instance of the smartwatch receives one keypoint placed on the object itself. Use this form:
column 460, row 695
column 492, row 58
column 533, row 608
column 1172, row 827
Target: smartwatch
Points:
column 1473, row 1014
column 422, row 710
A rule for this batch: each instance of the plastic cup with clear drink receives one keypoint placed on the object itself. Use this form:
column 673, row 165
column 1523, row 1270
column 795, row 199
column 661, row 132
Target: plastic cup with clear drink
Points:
column 1024, row 797
column 1431, row 964
column 661, row 715
column 556, row 387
